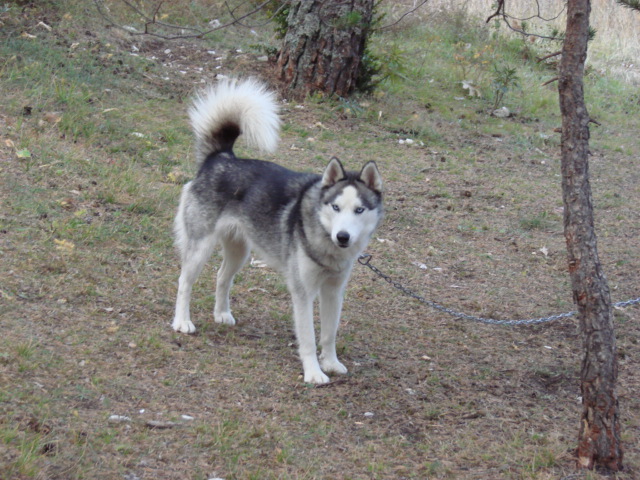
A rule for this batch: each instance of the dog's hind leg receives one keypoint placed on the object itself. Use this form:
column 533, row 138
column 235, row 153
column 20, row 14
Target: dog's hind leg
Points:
column 235, row 253
column 331, row 296
column 195, row 254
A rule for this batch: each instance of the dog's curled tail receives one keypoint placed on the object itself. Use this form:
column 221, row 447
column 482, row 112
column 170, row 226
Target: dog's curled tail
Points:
column 230, row 108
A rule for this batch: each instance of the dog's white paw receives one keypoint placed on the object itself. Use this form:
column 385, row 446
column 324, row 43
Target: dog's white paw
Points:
column 224, row 317
column 180, row 325
column 316, row 377
column 332, row 365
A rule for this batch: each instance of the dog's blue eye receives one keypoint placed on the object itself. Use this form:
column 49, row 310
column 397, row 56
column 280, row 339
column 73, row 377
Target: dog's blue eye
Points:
column 335, row 207
column 359, row 210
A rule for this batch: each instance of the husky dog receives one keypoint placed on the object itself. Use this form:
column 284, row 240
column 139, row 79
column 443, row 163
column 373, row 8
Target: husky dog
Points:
column 309, row 227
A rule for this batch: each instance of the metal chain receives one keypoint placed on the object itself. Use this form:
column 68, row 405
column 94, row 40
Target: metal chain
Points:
column 365, row 260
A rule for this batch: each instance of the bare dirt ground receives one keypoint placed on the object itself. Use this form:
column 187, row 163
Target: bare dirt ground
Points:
column 95, row 384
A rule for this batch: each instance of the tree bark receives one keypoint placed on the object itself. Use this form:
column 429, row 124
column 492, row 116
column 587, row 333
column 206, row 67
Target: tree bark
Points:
column 323, row 46
column 599, row 443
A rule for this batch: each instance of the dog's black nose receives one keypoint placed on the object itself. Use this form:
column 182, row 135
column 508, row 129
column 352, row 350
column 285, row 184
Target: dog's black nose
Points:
column 343, row 238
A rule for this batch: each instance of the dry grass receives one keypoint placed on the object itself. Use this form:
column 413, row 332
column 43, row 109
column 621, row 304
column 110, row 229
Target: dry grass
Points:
column 614, row 49
column 89, row 278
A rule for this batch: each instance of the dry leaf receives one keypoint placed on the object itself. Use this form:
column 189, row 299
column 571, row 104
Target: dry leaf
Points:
column 64, row 245
column 24, row 153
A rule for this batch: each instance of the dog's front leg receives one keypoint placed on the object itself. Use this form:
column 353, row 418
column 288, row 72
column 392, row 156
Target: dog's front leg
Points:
column 303, row 316
column 331, row 296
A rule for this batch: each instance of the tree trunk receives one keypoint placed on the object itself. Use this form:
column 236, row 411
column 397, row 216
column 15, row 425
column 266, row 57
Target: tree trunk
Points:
column 599, row 437
column 323, row 46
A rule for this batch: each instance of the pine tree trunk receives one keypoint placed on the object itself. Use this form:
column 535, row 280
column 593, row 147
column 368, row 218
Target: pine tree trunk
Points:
column 323, row 46
column 599, row 437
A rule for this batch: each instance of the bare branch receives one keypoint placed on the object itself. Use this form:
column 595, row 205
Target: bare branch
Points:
column 539, row 14
column 547, row 57
column 407, row 13
column 526, row 34
column 151, row 21
column 134, row 8
column 500, row 12
column 232, row 12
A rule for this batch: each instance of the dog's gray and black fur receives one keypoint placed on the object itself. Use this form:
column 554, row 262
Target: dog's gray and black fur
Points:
column 310, row 227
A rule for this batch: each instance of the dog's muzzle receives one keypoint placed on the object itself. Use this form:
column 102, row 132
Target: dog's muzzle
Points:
column 343, row 239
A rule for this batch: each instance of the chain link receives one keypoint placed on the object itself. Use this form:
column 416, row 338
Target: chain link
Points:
column 365, row 259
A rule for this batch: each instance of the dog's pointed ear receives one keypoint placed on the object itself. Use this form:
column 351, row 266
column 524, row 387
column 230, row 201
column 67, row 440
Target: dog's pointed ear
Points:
column 371, row 176
column 333, row 173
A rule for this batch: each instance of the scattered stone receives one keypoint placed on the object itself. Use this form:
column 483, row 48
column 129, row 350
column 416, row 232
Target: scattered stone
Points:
column 159, row 424
column 119, row 419
column 502, row 112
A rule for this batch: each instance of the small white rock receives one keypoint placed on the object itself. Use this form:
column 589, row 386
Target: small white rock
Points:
column 502, row 112
column 119, row 419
